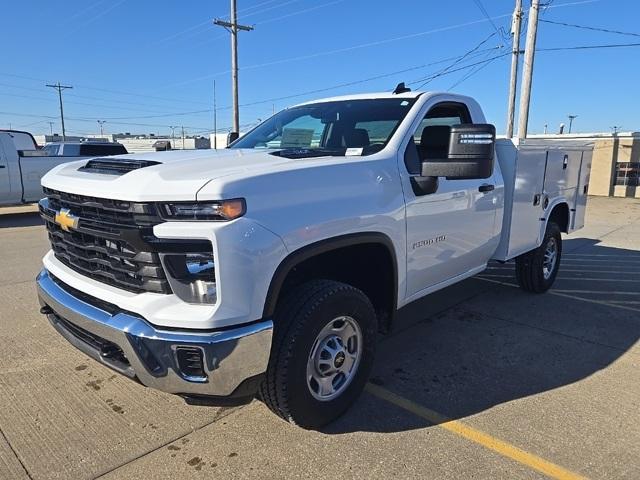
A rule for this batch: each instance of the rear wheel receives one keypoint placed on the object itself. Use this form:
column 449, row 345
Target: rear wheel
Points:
column 536, row 270
column 322, row 353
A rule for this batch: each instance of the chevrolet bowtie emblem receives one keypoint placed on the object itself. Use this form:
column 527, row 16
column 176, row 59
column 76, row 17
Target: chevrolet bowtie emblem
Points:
column 66, row 220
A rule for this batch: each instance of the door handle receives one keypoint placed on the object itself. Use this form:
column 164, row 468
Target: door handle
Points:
column 486, row 188
column 2, row 166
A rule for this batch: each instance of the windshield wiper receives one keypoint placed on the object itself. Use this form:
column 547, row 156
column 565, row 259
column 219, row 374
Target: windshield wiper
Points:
column 309, row 152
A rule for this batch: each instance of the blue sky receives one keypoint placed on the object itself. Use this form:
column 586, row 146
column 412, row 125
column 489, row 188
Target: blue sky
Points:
column 143, row 65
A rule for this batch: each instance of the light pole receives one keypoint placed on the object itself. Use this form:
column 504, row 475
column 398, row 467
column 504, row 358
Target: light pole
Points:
column 50, row 128
column 571, row 118
column 101, row 123
column 215, row 118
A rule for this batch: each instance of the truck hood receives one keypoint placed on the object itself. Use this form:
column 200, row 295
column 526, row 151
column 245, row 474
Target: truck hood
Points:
column 179, row 175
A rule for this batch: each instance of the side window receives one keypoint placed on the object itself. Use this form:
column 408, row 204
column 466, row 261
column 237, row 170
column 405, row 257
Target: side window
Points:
column 52, row 150
column 71, row 150
column 431, row 138
column 432, row 135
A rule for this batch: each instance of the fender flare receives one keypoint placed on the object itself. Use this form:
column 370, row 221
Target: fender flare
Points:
column 323, row 246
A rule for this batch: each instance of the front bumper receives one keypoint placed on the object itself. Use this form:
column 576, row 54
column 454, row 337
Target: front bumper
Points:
column 130, row 345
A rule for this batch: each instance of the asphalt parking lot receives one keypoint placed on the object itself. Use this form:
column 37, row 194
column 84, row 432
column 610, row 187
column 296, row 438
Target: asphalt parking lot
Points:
column 480, row 380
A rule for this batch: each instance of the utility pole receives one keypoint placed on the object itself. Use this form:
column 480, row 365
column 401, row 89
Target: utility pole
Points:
column 50, row 128
column 173, row 129
column 182, row 138
column 60, row 88
column 215, row 119
column 571, row 118
column 527, row 72
column 515, row 53
column 233, row 28
column 101, row 123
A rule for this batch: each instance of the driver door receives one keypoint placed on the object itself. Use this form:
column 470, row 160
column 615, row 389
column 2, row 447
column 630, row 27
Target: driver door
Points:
column 451, row 231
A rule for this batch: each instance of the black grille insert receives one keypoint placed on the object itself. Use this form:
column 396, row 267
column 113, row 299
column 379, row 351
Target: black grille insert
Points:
column 112, row 242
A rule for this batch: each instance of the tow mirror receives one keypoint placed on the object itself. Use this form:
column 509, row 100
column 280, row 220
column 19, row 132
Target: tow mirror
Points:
column 470, row 154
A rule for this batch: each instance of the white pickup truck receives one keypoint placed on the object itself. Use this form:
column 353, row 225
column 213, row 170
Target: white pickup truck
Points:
column 22, row 167
column 269, row 268
column 22, row 164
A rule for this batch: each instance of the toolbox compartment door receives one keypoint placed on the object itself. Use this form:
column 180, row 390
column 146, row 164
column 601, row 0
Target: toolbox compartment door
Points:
column 580, row 202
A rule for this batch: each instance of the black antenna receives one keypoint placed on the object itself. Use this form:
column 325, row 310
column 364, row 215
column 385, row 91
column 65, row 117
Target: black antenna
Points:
column 401, row 88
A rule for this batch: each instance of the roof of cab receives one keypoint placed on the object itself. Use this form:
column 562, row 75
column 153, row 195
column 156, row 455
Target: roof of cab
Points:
column 365, row 96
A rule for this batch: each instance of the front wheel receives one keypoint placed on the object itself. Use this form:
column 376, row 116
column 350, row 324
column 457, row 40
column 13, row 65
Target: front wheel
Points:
column 536, row 270
column 322, row 353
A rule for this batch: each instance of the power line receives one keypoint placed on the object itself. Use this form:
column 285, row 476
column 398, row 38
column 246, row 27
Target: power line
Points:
column 456, row 62
column 474, row 71
column 596, row 29
column 286, row 97
column 352, row 83
column 309, row 92
column 310, row 9
column 117, row 92
column 441, row 73
column 32, row 97
column 500, row 31
column 340, row 50
column 198, row 29
column 333, row 87
column 589, row 47
column 84, row 23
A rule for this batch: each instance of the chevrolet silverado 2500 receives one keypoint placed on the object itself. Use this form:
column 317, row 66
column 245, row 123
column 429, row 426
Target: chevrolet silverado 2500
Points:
column 269, row 267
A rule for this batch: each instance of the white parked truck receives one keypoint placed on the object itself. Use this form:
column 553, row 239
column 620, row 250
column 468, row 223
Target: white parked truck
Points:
column 269, row 267
column 22, row 164
column 22, row 167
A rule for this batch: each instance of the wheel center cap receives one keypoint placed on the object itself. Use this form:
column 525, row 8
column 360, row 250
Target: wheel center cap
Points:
column 339, row 359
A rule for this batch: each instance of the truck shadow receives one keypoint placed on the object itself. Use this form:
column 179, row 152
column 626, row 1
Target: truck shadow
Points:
column 480, row 343
column 14, row 220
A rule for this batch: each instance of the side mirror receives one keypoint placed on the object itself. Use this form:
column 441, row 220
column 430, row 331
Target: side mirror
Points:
column 470, row 154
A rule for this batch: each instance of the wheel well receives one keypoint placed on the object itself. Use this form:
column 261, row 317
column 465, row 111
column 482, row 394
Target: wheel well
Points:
column 560, row 216
column 370, row 267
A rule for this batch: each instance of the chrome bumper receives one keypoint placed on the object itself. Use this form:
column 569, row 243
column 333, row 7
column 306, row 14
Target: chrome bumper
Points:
column 131, row 346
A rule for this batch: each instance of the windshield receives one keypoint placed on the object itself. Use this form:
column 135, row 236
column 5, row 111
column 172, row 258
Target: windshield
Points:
column 347, row 127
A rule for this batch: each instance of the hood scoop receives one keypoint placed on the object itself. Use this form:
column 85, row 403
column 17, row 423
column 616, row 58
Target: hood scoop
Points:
column 114, row 166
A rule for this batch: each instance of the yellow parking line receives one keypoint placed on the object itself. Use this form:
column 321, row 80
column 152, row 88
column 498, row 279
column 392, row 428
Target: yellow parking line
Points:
column 503, row 448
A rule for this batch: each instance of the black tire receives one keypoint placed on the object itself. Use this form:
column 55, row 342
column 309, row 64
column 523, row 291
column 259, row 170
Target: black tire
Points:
column 531, row 272
column 299, row 319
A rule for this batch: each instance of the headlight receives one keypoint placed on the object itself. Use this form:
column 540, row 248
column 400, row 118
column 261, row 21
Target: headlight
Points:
column 192, row 276
column 218, row 210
